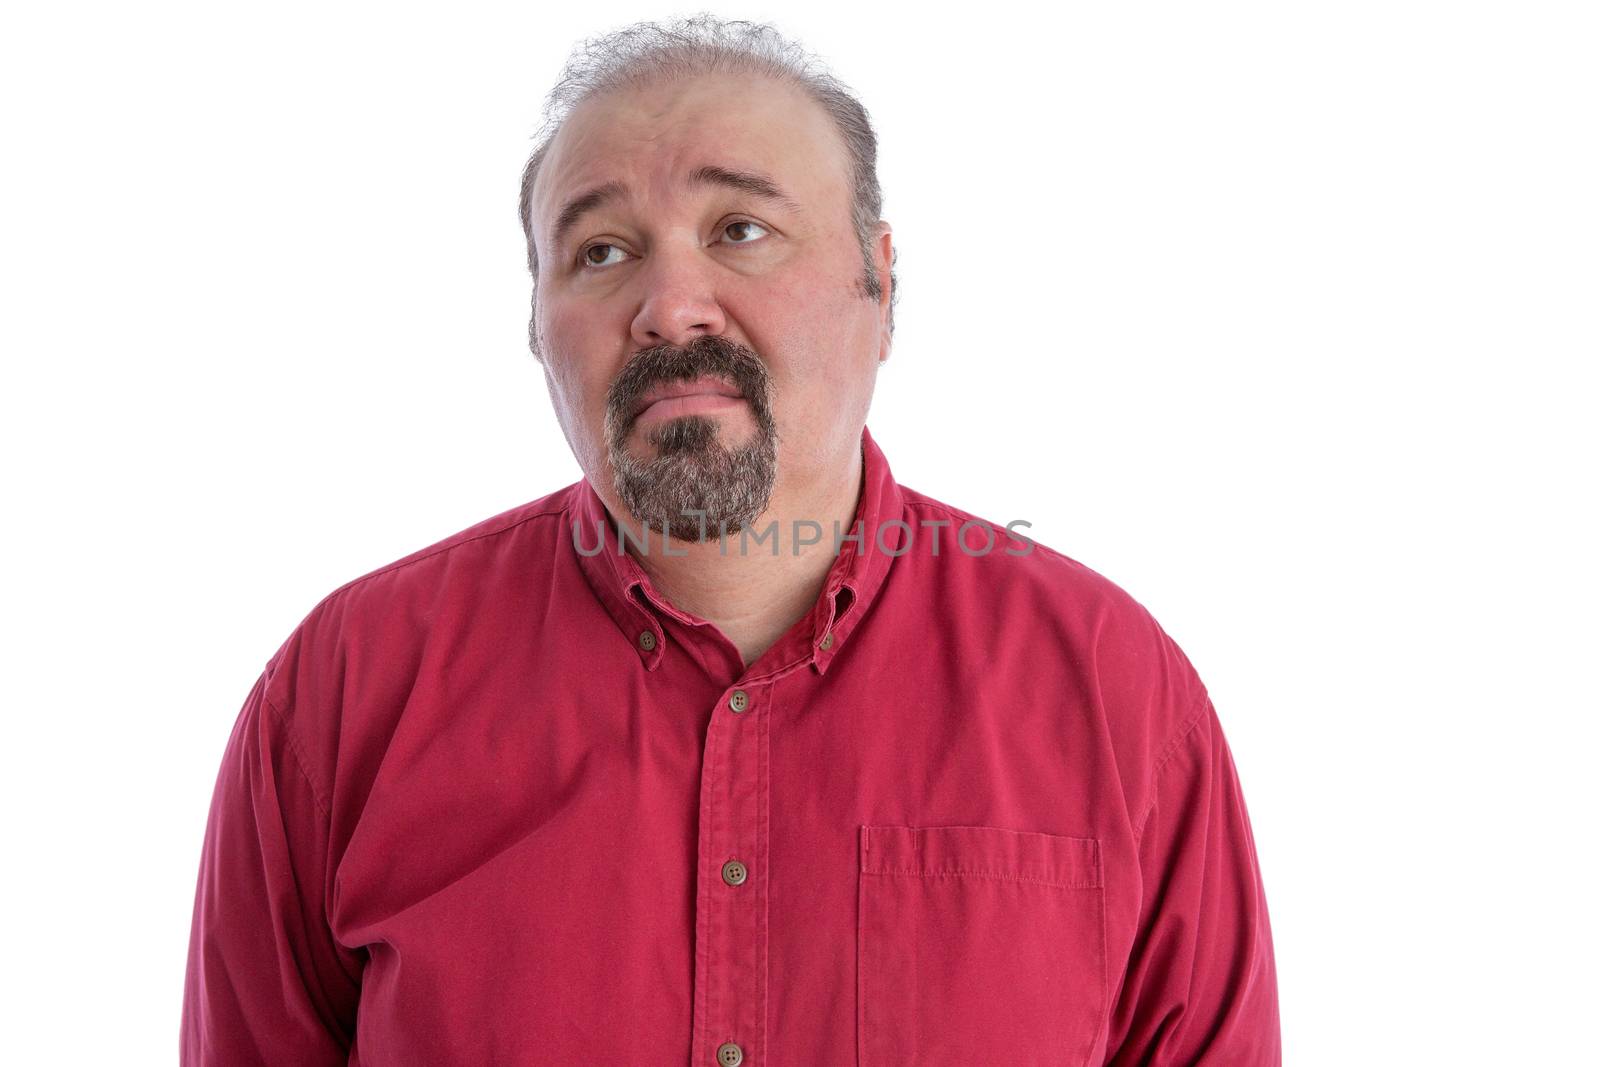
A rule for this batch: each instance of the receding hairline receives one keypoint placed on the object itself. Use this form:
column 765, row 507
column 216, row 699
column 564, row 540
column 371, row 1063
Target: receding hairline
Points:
column 703, row 46
column 752, row 179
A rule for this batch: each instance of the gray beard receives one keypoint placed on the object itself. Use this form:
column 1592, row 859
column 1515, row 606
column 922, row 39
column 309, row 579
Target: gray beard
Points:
column 696, row 488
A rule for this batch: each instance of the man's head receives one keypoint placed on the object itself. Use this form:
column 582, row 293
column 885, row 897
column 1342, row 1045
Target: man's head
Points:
column 713, row 288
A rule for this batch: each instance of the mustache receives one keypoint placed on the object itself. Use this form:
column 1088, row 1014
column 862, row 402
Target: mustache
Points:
column 708, row 356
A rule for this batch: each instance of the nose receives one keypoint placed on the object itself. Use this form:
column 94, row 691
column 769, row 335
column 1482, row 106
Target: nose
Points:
column 679, row 302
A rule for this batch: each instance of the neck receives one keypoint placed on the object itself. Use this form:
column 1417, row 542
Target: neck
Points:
column 751, row 595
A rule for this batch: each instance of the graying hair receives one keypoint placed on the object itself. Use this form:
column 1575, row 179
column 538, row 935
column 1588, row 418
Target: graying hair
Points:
column 647, row 52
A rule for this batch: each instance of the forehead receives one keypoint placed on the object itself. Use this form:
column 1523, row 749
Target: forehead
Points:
column 651, row 138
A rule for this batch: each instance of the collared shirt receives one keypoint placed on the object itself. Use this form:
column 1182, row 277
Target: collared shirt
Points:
column 499, row 802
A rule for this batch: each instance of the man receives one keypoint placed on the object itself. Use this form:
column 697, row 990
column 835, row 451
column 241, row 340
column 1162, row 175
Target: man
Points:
column 735, row 751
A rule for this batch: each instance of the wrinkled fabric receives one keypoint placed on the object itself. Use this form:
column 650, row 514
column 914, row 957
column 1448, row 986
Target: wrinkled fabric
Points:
column 498, row 802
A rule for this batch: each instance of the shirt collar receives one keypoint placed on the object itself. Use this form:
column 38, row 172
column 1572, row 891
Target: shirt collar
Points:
column 852, row 581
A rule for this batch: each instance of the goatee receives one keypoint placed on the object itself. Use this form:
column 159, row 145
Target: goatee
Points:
column 695, row 488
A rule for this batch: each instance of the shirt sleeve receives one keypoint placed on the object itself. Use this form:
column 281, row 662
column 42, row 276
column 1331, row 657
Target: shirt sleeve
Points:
column 266, row 981
column 1201, row 986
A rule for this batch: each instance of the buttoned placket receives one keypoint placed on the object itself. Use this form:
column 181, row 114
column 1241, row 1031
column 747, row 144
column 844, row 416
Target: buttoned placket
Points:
column 731, row 912
column 731, row 935
column 730, row 1007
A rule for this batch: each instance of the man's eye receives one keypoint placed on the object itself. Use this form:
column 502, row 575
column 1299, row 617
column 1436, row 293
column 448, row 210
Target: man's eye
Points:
column 600, row 254
column 740, row 230
column 587, row 257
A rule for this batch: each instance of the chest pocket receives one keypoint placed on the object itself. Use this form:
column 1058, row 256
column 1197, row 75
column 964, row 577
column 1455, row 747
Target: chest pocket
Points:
column 978, row 944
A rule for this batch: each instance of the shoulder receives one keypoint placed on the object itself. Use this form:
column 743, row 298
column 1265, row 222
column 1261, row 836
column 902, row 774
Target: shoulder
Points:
column 1015, row 570
column 383, row 616
column 1079, row 632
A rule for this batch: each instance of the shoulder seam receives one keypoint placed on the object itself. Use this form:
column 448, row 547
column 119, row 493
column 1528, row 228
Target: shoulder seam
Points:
column 294, row 751
column 1169, row 750
column 998, row 527
column 408, row 561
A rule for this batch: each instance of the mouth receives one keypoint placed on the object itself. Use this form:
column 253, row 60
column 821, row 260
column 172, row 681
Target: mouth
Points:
column 701, row 395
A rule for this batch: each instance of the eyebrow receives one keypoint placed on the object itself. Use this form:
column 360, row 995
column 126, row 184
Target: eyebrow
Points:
column 757, row 185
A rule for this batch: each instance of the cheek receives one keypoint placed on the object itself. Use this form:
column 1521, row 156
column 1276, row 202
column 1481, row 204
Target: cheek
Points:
column 813, row 316
column 572, row 339
column 830, row 332
column 820, row 339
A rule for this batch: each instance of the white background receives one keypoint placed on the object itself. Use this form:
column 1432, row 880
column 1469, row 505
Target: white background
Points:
column 1282, row 316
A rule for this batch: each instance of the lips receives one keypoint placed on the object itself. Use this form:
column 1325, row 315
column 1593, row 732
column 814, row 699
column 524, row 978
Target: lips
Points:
column 705, row 386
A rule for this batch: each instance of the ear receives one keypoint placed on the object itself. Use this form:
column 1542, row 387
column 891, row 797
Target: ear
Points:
column 883, row 253
column 535, row 342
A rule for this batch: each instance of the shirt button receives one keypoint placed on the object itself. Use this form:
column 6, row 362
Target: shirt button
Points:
column 827, row 640
column 729, row 1054
column 739, row 700
column 647, row 640
column 734, row 872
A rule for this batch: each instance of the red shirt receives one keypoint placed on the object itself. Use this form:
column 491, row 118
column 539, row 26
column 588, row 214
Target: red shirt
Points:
column 500, row 803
